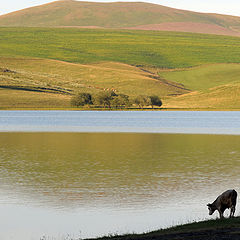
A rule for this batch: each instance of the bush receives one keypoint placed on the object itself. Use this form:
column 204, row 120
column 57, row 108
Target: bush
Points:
column 155, row 101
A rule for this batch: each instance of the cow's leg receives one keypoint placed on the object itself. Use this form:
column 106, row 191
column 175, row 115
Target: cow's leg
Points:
column 232, row 211
column 220, row 214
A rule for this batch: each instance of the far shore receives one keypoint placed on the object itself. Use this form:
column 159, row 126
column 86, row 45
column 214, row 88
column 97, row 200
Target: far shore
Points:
column 112, row 109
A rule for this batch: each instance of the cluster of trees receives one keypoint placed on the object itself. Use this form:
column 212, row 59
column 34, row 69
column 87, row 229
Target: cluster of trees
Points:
column 111, row 99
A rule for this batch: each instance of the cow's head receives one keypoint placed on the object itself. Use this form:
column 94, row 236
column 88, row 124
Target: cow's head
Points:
column 211, row 208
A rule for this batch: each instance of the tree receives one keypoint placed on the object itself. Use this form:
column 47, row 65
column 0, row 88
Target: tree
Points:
column 120, row 100
column 104, row 98
column 142, row 100
column 155, row 101
column 81, row 99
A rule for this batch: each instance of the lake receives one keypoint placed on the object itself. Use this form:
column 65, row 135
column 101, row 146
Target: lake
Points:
column 70, row 174
column 214, row 122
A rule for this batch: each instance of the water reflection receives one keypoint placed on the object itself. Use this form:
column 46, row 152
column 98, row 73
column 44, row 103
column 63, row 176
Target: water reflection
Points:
column 150, row 180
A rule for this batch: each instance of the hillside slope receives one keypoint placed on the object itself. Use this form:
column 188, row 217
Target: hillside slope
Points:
column 139, row 15
column 32, row 82
column 139, row 48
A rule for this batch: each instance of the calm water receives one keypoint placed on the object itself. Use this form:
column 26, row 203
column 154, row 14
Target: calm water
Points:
column 122, row 121
column 62, row 185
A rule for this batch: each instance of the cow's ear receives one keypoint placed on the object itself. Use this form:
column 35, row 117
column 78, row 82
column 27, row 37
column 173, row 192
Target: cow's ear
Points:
column 208, row 204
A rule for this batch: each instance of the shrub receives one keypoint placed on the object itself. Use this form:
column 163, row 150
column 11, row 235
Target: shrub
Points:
column 155, row 101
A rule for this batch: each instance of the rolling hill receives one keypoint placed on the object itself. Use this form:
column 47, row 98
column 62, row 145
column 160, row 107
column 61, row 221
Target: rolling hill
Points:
column 45, row 67
column 119, row 15
column 50, row 52
column 33, row 82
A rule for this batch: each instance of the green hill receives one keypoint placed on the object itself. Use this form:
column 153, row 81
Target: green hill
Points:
column 69, row 13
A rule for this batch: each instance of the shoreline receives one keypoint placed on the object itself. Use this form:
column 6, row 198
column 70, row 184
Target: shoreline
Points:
column 228, row 228
column 113, row 109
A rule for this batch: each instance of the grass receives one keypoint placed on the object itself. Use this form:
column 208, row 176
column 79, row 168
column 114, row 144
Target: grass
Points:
column 222, row 97
column 47, row 66
column 213, row 86
column 27, row 82
column 145, row 48
column 50, row 84
column 204, row 230
column 204, row 77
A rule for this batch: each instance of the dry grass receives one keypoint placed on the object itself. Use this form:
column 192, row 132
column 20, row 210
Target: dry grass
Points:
column 23, row 99
column 42, row 83
column 222, row 97
column 46, row 83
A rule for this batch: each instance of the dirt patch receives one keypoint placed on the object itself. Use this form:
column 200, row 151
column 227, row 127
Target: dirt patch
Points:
column 189, row 27
column 87, row 27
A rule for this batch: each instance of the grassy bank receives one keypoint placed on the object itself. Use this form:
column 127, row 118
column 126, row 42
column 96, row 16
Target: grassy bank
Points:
column 205, row 230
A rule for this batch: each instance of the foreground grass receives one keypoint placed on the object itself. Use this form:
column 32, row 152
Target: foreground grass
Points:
column 205, row 230
column 145, row 48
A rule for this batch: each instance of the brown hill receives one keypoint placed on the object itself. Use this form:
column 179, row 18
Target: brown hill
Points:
column 132, row 15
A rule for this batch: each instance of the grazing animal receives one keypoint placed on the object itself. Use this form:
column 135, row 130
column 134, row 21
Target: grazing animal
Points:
column 226, row 200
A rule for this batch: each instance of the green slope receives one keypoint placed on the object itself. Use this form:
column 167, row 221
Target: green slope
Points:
column 144, row 48
column 205, row 77
column 213, row 86
column 114, row 15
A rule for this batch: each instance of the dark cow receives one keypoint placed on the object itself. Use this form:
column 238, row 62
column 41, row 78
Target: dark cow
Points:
column 226, row 200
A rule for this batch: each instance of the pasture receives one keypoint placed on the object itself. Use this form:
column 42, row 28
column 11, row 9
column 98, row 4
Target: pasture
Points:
column 140, row 48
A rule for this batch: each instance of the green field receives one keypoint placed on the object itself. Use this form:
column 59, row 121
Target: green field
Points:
column 49, row 65
column 204, row 77
column 145, row 48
